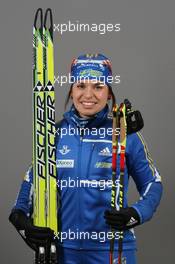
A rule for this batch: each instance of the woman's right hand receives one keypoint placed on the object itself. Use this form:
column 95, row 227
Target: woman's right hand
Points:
column 34, row 236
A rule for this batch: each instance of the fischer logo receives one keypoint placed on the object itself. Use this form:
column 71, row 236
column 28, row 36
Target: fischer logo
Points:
column 64, row 150
column 50, row 104
column 65, row 163
column 40, row 136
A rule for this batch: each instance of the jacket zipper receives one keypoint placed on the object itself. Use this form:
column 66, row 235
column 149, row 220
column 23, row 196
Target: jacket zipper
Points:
column 89, row 163
column 79, row 178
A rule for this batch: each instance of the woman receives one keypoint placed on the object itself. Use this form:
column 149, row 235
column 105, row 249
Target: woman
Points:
column 84, row 158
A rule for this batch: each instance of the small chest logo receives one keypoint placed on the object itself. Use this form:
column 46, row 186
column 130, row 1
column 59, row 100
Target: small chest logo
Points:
column 105, row 152
column 64, row 150
column 105, row 165
column 65, row 163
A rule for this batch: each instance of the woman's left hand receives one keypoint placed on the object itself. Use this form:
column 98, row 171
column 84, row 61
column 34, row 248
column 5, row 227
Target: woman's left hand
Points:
column 124, row 219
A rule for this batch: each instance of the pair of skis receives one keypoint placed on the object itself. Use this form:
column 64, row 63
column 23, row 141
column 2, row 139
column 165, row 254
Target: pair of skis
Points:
column 119, row 132
column 44, row 153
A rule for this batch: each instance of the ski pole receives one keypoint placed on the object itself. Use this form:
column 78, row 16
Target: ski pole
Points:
column 123, row 133
column 115, row 135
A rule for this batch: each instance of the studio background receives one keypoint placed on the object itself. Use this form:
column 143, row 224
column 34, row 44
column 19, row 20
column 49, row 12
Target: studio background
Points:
column 142, row 53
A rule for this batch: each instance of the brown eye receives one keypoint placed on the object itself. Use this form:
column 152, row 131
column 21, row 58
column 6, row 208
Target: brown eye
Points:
column 99, row 86
column 81, row 85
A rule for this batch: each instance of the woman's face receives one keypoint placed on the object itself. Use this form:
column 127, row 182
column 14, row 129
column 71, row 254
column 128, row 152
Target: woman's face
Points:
column 89, row 97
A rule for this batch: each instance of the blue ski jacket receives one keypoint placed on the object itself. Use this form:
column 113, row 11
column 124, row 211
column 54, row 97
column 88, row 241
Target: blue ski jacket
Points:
column 84, row 173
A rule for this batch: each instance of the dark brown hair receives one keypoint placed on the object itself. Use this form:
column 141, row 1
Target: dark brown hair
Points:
column 110, row 92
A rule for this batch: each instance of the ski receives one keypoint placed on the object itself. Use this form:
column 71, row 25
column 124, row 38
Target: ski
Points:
column 44, row 154
column 49, row 96
column 38, row 123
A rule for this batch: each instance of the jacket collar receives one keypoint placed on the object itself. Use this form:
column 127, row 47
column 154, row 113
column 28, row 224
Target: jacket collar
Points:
column 72, row 116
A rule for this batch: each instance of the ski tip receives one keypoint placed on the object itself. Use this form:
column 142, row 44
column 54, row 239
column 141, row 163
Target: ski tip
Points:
column 39, row 13
column 48, row 13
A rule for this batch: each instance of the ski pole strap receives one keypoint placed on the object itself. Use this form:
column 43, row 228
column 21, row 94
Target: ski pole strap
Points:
column 133, row 118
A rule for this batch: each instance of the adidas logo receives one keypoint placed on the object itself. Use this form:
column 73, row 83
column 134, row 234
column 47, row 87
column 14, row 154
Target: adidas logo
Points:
column 132, row 221
column 105, row 152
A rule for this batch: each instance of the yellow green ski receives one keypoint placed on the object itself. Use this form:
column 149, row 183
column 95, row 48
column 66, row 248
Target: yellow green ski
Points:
column 44, row 153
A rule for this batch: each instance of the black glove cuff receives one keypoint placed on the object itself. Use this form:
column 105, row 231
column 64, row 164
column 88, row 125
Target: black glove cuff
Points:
column 134, row 218
column 135, row 214
column 18, row 218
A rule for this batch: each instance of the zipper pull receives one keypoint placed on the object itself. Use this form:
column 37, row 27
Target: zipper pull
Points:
column 81, row 133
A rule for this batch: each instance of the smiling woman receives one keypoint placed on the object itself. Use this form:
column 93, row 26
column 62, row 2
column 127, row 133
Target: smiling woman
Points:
column 91, row 89
column 89, row 98
column 85, row 214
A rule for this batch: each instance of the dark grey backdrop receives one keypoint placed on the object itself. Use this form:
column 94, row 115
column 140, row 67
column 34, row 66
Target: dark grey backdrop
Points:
column 143, row 53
